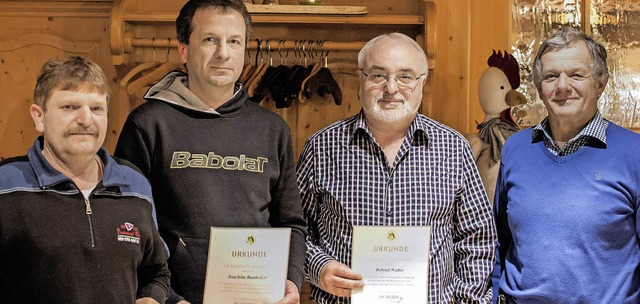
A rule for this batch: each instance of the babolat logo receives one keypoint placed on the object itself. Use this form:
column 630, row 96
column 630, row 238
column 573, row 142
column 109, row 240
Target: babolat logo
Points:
column 182, row 159
column 127, row 232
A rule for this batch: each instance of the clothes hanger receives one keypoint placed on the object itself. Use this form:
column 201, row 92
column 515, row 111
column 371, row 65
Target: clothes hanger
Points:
column 278, row 77
column 323, row 83
column 137, row 70
column 259, row 92
column 283, row 95
column 252, row 83
column 247, row 70
column 295, row 82
column 316, row 67
column 156, row 75
column 140, row 67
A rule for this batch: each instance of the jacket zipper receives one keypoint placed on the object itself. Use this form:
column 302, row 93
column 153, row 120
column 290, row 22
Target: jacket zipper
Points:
column 88, row 211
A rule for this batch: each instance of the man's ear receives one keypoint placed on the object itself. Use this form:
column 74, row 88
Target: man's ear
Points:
column 37, row 114
column 184, row 51
column 602, row 84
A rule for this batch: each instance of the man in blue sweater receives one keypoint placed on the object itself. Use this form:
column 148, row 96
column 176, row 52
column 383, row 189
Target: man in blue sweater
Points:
column 568, row 191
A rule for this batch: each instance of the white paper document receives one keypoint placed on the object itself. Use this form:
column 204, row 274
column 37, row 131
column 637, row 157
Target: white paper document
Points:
column 247, row 265
column 394, row 263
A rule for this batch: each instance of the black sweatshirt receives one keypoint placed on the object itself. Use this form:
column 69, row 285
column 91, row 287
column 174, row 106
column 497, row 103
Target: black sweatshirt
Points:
column 229, row 167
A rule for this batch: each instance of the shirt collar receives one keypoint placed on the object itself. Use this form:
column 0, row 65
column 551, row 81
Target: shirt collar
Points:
column 596, row 129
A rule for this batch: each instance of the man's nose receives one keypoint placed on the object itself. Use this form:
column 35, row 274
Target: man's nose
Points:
column 563, row 84
column 84, row 116
column 391, row 86
column 223, row 52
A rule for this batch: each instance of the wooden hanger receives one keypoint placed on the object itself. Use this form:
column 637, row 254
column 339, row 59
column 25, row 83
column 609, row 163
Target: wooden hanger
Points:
column 298, row 75
column 293, row 85
column 153, row 76
column 301, row 96
column 316, row 67
column 160, row 69
column 247, row 70
column 322, row 83
column 272, row 80
column 252, row 84
column 137, row 70
column 143, row 66
column 259, row 71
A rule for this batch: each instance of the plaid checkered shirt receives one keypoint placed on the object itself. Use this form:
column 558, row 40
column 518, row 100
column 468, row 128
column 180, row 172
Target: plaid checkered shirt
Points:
column 345, row 180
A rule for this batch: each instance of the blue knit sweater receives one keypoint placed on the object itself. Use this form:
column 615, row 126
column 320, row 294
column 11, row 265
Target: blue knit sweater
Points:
column 570, row 224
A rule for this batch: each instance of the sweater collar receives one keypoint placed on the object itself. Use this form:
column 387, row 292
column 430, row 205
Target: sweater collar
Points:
column 174, row 89
column 48, row 176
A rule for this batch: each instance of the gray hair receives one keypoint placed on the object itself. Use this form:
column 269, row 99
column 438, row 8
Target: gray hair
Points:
column 566, row 37
column 367, row 48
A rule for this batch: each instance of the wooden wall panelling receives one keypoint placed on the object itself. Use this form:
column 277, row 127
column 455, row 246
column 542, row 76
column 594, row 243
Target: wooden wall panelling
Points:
column 467, row 31
column 30, row 34
column 448, row 92
column 290, row 115
column 490, row 23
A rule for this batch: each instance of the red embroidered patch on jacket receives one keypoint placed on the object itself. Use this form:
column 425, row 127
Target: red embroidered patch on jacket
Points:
column 127, row 232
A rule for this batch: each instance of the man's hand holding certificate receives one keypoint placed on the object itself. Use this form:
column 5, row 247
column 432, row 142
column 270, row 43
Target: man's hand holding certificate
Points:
column 247, row 265
column 394, row 264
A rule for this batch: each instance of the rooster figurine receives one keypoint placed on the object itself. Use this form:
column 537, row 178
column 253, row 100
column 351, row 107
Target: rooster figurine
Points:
column 497, row 94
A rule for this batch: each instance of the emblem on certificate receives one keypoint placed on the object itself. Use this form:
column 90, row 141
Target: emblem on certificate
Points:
column 394, row 264
column 247, row 265
column 391, row 236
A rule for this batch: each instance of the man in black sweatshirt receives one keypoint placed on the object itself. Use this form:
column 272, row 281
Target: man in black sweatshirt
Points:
column 77, row 225
column 213, row 157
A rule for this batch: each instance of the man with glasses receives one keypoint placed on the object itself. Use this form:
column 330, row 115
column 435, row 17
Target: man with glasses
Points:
column 390, row 166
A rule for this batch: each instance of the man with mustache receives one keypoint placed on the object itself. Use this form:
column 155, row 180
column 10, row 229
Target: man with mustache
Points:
column 568, row 190
column 390, row 166
column 214, row 158
column 77, row 226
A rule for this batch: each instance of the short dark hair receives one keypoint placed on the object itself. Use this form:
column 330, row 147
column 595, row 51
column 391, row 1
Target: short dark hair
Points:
column 566, row 37
column 184, row 26
column 69, row 74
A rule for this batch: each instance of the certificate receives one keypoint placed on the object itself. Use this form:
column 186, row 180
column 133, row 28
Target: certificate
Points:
column 394, row 264
column 247, row 265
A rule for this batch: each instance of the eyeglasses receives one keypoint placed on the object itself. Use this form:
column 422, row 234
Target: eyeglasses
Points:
column 404, row 81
